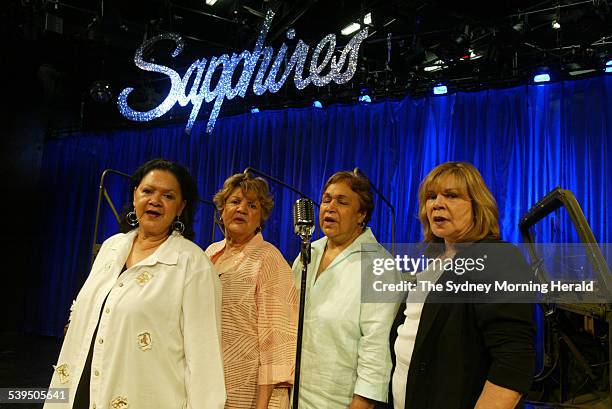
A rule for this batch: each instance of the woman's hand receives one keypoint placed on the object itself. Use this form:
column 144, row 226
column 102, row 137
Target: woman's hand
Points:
column 359, row 402
column 497, row 397
column 264, row 392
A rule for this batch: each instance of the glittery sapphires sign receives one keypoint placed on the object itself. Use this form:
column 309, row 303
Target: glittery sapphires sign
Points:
column 340, row 69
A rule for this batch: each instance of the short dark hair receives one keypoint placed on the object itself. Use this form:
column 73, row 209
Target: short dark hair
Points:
column 189, row 192
column 358, row 184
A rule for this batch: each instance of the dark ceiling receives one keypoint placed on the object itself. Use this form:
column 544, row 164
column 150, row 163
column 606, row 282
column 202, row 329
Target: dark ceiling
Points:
column 68, row 45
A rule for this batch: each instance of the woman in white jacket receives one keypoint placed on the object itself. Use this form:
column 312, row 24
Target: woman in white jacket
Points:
column 144, row 329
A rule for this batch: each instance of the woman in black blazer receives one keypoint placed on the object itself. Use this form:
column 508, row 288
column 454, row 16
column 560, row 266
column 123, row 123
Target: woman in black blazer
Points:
column 460, row 353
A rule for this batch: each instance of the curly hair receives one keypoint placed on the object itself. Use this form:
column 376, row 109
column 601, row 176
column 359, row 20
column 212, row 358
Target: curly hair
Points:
column 247, row 183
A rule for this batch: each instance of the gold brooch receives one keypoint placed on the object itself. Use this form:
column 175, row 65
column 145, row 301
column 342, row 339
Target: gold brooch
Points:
column 143, row 277
column 63, row 373
column 144, row 341
column 120, row 402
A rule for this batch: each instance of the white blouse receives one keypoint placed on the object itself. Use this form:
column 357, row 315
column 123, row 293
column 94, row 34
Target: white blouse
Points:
column 158, row 339
column 406, row 336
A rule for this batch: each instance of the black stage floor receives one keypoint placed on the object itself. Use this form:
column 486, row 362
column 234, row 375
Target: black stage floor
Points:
column 25, row 362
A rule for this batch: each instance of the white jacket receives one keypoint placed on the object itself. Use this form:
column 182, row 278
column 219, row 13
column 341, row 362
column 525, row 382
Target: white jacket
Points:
column 158, row 341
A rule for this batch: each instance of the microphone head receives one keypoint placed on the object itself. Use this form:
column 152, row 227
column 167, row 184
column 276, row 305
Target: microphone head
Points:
column 303, row 217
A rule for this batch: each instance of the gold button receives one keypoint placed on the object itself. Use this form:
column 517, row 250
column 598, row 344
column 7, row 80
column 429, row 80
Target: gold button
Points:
column 97, row 373
column 107, row 310
column 100, row 341
column 120, row 284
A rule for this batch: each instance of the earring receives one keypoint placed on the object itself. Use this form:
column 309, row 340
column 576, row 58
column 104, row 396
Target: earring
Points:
column 132, row 219
column 178, row 225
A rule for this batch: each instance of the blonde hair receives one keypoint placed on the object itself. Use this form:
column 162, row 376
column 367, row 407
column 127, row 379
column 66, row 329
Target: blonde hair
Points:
column 485, row 215
column 247, row 183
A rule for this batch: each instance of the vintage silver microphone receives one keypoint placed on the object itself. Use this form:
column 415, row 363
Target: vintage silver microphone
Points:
column 303, row 225
column 303, row 218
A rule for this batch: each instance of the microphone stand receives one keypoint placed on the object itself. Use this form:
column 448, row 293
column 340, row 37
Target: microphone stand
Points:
column 358, row 171
column 280, row 182
column 305, row 259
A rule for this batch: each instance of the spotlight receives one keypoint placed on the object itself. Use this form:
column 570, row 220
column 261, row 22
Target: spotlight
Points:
column 543, row 77
column 211, row 2
column 575, row 69
column 474, row 55
column 350, row 29
column 317, row 104
column 435, row 66
column 608, row 66
column 364, row 96
column 254, row 110
column 440, row 89
column 367, row 19
column 555, row 24
column 519, row 27
column 100, row 91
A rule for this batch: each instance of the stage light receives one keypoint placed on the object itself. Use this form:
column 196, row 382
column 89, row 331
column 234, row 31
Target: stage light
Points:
column 575, row 69
column 364, row 96
column 254, row 110
column 608, row 66
column 519, row 27
column 211, row 2
column 440, row 89
column 539, row 78
column 555, row 24
column 317, row 104
column 350, row 29
column 367, row 19
column 100, row 91
column 435, row 66
column 474, row 55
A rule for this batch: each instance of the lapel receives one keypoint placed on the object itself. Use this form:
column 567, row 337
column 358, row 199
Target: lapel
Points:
column 365, row 242
column 434, row 315
column 167, row 253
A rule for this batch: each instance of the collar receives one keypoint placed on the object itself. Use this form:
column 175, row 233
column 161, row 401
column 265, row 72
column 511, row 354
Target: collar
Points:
column 253, row 243
column 365, row 242
column 166, row 253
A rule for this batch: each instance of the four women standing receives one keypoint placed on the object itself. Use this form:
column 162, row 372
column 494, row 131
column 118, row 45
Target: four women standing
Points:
column 146, row 327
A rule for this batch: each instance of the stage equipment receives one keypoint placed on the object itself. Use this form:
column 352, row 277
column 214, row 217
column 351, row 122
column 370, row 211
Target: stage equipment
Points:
column 440, row 90
column 304, row 224
column 250, row 170
column 339, row 68
column 358, row 172
column 561, row 320
column 103, row 193
column 538, row 78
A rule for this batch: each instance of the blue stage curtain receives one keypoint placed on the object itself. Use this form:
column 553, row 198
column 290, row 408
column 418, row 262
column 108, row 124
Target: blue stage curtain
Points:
column 525, row 140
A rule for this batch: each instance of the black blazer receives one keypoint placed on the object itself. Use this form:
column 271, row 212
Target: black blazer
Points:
column 461, row 345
